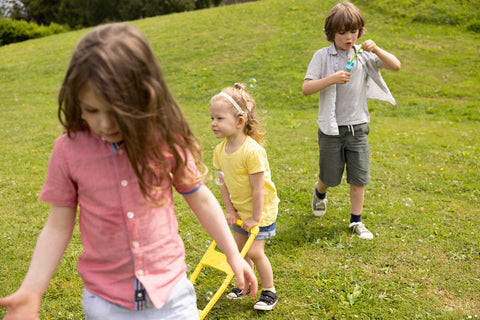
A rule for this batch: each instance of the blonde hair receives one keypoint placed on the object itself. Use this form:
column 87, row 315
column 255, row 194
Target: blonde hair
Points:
column 344, row 16
column 117, row 61
column 247, row 105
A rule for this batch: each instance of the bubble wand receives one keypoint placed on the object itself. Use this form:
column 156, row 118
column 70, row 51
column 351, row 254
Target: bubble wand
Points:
column 349, row 66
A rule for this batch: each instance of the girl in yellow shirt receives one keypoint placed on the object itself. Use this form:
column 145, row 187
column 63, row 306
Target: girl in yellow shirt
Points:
column 248, row 191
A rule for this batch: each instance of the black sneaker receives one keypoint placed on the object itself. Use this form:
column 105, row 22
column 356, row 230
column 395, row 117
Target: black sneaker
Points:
column 237, row 294
column 267, row 301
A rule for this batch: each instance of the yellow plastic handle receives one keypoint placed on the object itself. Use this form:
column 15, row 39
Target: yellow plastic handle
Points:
column 254, row 230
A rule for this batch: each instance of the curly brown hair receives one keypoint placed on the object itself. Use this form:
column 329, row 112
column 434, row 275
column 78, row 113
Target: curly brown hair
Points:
column 117, row 61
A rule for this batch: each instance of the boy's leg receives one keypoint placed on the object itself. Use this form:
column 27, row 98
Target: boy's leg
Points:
column 321, row 187
column 331, row 164
column 319, row 200
column 357, row 194
column 357, row 155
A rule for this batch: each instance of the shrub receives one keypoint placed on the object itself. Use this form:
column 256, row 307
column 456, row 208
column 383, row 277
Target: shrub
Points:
column 81, row 13
column 201, row 4
column 167, row 6
column 12, row 31
column 474, row 26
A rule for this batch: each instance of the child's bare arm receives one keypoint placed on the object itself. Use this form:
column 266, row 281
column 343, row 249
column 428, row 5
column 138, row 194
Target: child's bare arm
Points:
column 311, row 86
column 390, row 62
column 232, row 215
column 210, row 214
column 51, row 244
column 258, row 190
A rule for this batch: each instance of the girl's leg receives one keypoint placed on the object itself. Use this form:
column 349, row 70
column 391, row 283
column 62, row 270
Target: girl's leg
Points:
column 241, row 239
column 264, row 268
column 268, row 298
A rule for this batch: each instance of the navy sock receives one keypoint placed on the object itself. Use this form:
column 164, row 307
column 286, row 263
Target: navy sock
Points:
column 320, row 196
column 355, row 218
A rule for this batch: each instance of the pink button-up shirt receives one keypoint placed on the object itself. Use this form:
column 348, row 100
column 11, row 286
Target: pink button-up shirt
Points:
column 124, row 238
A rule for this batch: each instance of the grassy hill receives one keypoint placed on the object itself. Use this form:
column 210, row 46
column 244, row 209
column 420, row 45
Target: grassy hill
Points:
column 423, row 201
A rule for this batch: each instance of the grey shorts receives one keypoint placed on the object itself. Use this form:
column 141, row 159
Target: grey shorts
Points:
column 264, row 233
column 181, row 304
column 349, row 149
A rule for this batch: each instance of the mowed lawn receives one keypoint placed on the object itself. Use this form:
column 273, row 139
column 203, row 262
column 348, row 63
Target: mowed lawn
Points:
column 423, row 201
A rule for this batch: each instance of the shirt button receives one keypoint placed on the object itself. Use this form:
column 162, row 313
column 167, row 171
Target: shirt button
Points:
column 120, row 152
column 135, row 244
column 124, row 183
column 130, row 215
column 140, row 272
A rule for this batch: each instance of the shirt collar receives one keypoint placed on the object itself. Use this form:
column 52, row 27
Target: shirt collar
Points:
column 333, row 51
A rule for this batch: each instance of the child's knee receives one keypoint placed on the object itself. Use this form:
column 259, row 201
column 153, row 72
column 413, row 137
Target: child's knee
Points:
column 356, row 188
column 256, row 254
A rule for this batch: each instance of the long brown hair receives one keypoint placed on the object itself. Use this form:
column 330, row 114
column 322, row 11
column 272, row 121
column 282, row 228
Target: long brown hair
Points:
column 117, row 61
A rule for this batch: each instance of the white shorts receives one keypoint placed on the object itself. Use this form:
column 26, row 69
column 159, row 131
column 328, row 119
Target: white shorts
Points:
column 181, row 304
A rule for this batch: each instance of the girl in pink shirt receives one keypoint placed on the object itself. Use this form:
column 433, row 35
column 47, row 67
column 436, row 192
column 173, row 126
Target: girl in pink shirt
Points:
column 126, row 144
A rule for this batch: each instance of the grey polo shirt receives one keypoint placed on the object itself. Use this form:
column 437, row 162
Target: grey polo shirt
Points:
column 366, row 83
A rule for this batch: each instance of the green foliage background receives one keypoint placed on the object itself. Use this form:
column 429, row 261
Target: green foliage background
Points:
column 80, row 13
column 422, row 204
column 12, row 31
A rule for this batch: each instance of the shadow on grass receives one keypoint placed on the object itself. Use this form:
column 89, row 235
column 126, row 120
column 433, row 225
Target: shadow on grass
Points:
column 305, row 230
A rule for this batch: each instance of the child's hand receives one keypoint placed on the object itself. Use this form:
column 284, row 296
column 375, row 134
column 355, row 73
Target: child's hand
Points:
column 232, row 218
column 21, row 306
column 249, row 224
column 369, row 46
column 340, row 77
column 390, row 62
column 245, row 276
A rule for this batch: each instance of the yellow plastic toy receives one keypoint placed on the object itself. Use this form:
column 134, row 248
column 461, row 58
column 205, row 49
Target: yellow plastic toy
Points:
column 218, row 260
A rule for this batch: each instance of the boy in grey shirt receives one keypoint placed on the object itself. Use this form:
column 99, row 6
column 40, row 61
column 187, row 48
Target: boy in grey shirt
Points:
column 343, row 112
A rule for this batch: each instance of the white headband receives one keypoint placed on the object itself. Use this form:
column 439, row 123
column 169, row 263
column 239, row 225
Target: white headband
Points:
column 234, row 103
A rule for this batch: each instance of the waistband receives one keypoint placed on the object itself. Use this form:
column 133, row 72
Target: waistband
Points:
column 351, row 127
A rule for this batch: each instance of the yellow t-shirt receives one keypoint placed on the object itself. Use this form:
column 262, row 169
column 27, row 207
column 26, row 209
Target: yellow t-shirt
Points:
column 237, row 167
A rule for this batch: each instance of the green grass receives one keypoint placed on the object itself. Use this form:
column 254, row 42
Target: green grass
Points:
column 422, row 203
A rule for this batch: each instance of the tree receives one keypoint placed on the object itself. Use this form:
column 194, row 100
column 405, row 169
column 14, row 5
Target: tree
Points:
column 86, row 13
column 42, row 11
column 13, row 9
column 201, row 4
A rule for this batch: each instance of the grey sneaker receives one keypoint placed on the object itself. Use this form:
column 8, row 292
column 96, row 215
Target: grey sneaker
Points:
column 267, row 301
column 319, row 207
column 360, row 231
